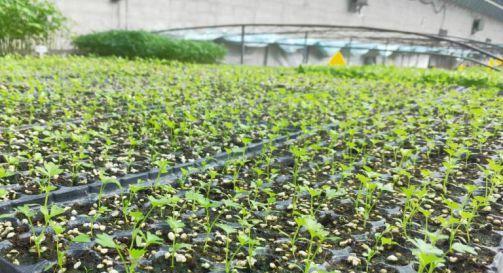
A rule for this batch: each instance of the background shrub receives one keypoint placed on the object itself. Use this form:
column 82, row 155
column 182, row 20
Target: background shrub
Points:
column 24, row 23
column 144, row 44
column 470, row 77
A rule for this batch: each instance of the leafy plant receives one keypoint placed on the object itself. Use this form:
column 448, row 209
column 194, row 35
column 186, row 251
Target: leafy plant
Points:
column 369, row 193
column 382, row 239
column 317, row 234
column 129, row 256
column 49, row 171
column 176, row 226
column 35, row 22
column 428, row 256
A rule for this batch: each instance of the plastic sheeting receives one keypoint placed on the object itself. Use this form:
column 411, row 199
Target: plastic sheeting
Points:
column 275, row 49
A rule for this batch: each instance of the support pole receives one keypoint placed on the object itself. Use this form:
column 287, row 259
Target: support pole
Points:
column 386, row 52
column 349, row 50
column 266, row 54
column 306, row 49
column 242, row 44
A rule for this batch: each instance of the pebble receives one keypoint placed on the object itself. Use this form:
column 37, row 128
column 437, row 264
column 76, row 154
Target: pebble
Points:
column 76, row 265
column 351, row 225
column 487, row 209
column 272, row 265
column 180, row 258
column 10, row 235
column 453, row 259
column 271, row 218
column 241, row 263
column 392, row 258
column 206, row 265
column 355, row 261
column 345, row 242
column 171, row 236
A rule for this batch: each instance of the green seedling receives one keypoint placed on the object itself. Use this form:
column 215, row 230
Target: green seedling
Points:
column 162, row 166
column 413, row 200
column 450, row 166
column 5, row 173
column 48, row 215
column 428, row 256
column 369, row 194
column 58, row 233
column 176, row 227
column 317, row 235
column 300, row 155
column 130, row 257
column 493, row 178
column 382, row 239
column 245, row 237
column 49, row 171
column 228, row 230
column 243, row 241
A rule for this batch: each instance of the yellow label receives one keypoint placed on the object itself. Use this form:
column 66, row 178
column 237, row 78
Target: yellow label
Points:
column 494, row 63
column 337, row 59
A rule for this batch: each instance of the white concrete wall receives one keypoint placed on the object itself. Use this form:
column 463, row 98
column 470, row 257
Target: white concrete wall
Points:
column 96, row 15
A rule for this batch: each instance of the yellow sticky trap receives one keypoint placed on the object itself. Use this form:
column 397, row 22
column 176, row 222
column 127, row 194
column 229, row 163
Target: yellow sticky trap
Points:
column 494, row 63
column 461, row 67
column 337, row 59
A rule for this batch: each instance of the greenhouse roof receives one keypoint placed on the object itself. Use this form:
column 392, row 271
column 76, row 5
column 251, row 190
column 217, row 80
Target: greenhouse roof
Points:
column 493, row 8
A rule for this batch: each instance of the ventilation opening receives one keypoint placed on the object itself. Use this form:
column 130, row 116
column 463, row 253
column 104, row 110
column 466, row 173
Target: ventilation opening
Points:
column 477, row 25
column 357, row 5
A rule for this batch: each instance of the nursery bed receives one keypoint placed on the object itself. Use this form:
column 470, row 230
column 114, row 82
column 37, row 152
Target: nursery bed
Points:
column 225, row 169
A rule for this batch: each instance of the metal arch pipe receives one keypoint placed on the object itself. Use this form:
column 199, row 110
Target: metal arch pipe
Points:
column 431, row 36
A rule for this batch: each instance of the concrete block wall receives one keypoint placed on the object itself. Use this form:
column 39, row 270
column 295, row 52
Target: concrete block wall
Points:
column 97, row 15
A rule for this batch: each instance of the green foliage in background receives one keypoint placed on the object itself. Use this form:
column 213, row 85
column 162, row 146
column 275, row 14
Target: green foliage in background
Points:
column 144, row 44
column 470, row 77
column 24, row 23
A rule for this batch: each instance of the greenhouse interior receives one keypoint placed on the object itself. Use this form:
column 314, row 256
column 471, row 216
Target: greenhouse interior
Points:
column 267, row 136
